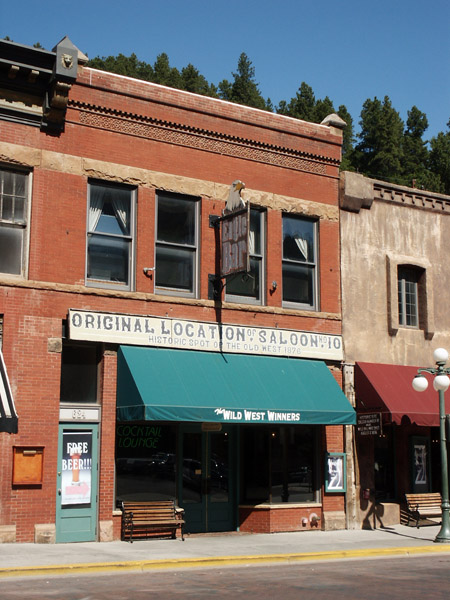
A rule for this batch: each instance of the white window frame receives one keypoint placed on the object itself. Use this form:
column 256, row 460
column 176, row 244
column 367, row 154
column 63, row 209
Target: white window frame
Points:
column 314, row 265
column 261, row 258
column 26, row 225
column 99, row 283
column 173, row 291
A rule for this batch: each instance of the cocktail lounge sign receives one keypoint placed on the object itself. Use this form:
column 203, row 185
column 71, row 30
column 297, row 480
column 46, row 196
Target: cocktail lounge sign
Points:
column 141, row 330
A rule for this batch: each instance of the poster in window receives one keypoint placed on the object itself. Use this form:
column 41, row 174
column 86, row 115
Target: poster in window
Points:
column 76, row 468
column 420, row 464
column 335, row 476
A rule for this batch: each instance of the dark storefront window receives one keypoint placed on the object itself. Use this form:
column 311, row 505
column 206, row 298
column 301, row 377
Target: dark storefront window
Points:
column 145, row 461
column 278, row 464
column 79, row 370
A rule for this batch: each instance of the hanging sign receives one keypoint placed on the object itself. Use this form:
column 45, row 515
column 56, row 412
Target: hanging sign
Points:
column 76, row 467
column 235, row 255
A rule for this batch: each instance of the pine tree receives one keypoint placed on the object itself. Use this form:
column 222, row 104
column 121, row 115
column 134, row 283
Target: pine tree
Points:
column 379, row 153
column 440, row 158
column 193, row 82
column 164, row 74
column 243, row 89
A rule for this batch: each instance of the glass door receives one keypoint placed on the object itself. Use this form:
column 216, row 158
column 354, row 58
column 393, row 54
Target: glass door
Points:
column 207, row 491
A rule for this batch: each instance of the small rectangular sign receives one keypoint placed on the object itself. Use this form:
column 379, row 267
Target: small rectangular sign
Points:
column 368, row 424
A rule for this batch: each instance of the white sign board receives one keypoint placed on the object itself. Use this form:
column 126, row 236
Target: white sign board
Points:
column 138, row 330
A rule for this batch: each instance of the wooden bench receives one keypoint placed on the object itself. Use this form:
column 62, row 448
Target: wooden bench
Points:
column 422, row 506
column 140, row 519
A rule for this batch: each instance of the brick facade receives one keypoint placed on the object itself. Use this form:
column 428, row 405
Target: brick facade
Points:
column 153, row 138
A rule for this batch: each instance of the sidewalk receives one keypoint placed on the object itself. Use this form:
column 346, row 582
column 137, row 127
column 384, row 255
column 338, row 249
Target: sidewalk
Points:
column 18, row 560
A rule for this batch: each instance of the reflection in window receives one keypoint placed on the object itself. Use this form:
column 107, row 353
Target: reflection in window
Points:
column 278, row 464
column 176, row 245
column 248, row 287
column 13, row 220
column 299, row 261
column 110, row 235
column 145, row 461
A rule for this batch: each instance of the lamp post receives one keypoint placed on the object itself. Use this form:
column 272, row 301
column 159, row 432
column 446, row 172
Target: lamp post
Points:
column 441, row 383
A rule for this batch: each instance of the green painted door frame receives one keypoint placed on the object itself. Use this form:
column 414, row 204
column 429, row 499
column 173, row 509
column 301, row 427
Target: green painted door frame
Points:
column 207, row 478
column 77, row 483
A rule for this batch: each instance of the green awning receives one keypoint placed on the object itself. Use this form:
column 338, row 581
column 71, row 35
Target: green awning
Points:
column 157, row 384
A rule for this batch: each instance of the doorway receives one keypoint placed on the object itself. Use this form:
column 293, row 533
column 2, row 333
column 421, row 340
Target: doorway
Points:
column 207, row 476
column 76, row 497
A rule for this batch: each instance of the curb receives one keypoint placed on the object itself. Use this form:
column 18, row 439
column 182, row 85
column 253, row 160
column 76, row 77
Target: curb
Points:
column 201, row 562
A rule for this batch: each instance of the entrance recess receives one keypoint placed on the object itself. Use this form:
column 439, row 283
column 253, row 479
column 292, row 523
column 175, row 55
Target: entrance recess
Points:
column 207, row 483
column 76, row 497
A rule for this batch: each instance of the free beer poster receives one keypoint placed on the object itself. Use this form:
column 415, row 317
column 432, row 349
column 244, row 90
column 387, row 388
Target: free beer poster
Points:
column 76, row 467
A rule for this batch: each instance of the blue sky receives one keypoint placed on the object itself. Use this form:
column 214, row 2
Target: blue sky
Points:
column 350, row 50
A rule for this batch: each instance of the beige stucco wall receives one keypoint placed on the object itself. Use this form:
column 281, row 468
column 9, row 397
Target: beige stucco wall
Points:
column 396, row 225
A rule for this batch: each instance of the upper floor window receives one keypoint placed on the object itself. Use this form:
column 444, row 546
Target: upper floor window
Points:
column 79, row 372
column 176, row 245
column 13, row 220
column 110, row 236
column 408, row 296
column 299, row 262
column 249, row 287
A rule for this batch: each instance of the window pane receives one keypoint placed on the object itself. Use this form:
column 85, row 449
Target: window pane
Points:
column 145, row 461
column 175, row 268
column 298, row 284
column 176, row 220
column 298, row 239
column 79, row 374
column 255, row 232
column 408, row 296
column 109, row 210
column 8, row 182
column 246, row 284
column 293, row 464
column 11, row 240
column 255, row 464
column 108, row 258
column 7, row 208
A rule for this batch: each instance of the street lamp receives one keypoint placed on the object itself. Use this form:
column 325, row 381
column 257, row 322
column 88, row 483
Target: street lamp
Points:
column 441, row 383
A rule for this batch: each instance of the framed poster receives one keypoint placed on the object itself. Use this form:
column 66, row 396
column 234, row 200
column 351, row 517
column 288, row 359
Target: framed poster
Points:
column 335, row 472
column 420, row 464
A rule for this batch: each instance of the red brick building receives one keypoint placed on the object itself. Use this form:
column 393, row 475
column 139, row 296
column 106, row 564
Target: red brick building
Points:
column 137, row 371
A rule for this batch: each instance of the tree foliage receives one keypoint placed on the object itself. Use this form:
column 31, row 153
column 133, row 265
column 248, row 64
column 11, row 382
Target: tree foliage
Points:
column 243, row 89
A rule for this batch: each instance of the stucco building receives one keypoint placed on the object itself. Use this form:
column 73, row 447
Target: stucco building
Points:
column 394, row 249
column 137, row 370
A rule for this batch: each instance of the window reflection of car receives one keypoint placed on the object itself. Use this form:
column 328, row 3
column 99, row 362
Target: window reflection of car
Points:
column 162, row 464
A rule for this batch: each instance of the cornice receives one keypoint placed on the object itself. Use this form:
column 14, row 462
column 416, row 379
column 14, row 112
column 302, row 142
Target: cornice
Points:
column 201, row 139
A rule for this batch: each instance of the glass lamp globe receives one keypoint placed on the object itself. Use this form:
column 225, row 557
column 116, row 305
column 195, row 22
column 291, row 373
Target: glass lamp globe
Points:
column 440, row 355
column 420, row 383
column 441, row 383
